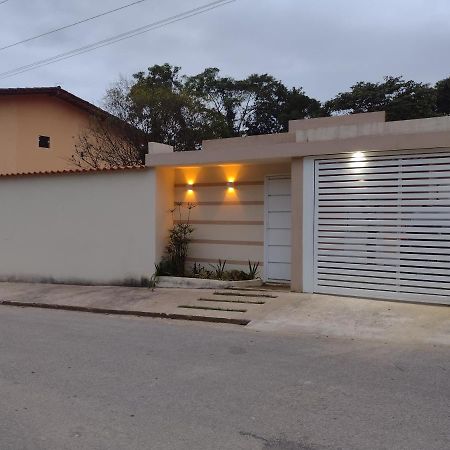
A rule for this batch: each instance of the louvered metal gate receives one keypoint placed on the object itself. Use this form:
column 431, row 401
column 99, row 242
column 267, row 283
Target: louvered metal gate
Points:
column 382, row 226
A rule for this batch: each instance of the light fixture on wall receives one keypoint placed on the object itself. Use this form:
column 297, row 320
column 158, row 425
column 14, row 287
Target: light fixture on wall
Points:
column 358, row 161
column 230, row 185
column 190, row 186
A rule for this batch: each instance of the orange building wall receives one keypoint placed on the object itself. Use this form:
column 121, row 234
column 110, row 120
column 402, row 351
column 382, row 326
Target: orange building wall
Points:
column 24, row 118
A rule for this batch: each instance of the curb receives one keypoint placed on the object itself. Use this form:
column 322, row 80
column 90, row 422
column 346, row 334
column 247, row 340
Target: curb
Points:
column 118, row 312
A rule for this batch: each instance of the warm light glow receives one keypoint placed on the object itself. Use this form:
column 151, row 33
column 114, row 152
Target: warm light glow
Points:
column 358, row 156
column 231, row 172
column 230, row 185
column 358, row 160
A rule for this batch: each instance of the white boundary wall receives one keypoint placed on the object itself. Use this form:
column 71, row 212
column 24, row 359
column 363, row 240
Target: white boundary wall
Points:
column 92, row 228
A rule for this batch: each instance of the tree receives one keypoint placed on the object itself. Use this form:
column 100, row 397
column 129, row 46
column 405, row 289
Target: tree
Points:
column 158, row 104
column 399, row 98
column 108, row 142
column 258, row 104
column 443, row 96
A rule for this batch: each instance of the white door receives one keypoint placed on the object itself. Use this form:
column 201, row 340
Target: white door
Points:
column 382, row 226
column 277, row 239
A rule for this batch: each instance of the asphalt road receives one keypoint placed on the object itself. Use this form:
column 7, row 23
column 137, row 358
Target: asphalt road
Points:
column 81, row 381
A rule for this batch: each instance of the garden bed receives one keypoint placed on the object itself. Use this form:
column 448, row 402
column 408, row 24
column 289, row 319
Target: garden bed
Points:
column 202, row 283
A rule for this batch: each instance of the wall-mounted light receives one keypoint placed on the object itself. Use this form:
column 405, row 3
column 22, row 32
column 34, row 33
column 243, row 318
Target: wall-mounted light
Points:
column 230, row 185
column 358, row 156
column 358, row 161
column 190, row 186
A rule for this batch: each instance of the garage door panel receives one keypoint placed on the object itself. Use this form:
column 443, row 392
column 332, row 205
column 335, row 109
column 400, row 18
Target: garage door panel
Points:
column 381, row 262
column 386, row 161
column 387, row 204
column 382, row 168
column 369, row 247
column 382, row 226
column 361, row 176
column 386, row 222
column 380, row 243
column 374, row 255
column 376, row 196
column 383, row 272
column 407, row 283
column 390, row 210
column 392, row 228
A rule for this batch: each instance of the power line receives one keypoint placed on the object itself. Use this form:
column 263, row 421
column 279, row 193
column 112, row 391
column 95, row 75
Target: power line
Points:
column 4, row 1
column 71, row 25
column 114, row 39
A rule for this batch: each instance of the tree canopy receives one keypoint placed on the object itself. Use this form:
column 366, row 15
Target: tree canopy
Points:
column 399, row 98
column 162, row 105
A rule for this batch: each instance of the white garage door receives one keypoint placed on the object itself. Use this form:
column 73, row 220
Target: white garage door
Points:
column 277, row 248
column 382, row 226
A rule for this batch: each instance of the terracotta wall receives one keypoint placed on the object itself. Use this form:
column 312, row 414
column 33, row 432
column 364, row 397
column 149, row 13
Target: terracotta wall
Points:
column 24, row 118
column 229, row 223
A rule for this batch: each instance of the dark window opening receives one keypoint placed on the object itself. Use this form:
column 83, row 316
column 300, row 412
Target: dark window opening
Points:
column 44, row 141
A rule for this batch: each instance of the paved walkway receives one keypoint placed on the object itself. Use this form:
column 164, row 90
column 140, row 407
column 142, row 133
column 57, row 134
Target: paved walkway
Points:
column 261, row 310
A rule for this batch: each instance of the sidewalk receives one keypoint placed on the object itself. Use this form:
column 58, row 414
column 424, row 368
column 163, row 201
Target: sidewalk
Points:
column 266, row 310
column 235, row 307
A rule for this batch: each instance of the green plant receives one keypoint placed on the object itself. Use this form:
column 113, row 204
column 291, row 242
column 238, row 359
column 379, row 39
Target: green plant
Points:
column 199, row 271
column 179, row 240
column 253, row 270
column 235, row 275
column 219, row 269
column 153, row 281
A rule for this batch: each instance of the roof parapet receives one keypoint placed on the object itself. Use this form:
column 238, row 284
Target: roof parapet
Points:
column 156, row 148
column 374, row 129
column 335, row 121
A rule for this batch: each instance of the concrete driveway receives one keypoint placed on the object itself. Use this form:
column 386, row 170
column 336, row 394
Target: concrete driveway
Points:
column 276, row 311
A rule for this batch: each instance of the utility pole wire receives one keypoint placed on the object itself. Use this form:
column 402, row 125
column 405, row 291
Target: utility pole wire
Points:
column 112, row 40
column 71, row 25
column 4, row 1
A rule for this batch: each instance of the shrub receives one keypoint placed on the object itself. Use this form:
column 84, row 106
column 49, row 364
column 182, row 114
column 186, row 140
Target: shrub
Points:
column 179, row 239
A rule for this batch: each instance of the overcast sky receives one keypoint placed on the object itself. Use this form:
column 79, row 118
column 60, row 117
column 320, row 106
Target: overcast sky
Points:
column 322, row 45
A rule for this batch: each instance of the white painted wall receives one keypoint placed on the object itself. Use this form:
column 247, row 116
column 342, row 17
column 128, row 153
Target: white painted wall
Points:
column 80, row 228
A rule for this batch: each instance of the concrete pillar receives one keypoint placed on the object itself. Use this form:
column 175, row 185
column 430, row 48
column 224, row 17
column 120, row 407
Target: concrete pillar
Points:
column 297, row 224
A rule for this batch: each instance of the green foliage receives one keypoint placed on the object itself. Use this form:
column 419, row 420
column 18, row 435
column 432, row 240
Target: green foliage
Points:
column 182, row 111
column 218, row 272
column 443, row 96
column 253, row 269
column 219, row 269
column 167, row 107
column 179, row 239
column 400, row 99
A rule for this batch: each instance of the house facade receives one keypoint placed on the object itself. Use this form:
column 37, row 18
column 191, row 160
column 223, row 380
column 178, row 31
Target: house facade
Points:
column 349, row 205
column 39, row 128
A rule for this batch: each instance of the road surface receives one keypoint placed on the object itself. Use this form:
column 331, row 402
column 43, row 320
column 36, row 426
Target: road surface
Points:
column 73, row 380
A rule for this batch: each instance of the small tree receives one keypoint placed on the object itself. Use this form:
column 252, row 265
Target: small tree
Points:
column 179, row 239
column 109, row 142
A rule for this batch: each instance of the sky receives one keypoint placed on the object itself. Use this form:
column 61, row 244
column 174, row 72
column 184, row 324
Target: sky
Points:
column 324, row 46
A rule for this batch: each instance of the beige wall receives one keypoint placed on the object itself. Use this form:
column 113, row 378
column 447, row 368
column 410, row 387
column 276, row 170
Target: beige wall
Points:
column 229, row 224
column 23, row 118
column 95, row 227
